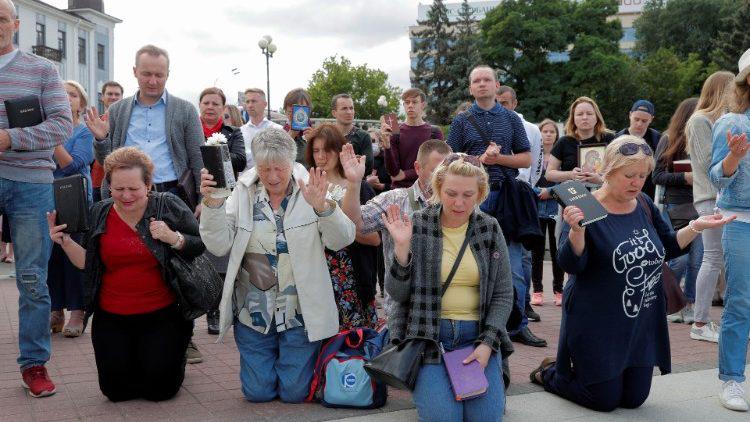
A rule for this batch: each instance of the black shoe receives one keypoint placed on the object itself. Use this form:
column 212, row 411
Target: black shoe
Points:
column 717, row 302
column 531, row 314
column 212, row 317
column 528, row 338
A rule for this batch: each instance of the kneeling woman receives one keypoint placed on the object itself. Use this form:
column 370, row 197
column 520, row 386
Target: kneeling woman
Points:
column 276, row 226
column 475, row 307
column 138, row 333
column 614, row 328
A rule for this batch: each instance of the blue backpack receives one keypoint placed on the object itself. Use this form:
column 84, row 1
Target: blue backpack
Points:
column 340, row 379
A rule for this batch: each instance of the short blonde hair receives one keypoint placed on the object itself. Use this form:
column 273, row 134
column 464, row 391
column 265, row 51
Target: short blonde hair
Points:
column 458, row 164
column 81, row 94
column 615, row 160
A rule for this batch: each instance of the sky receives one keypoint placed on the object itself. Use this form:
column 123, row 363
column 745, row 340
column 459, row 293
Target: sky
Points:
column 206, row 40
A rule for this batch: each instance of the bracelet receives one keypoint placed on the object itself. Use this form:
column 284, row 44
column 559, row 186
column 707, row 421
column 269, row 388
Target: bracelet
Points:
column 692, row 229
column 180, row 240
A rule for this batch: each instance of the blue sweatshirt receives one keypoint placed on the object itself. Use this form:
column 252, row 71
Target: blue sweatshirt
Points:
column 80, row 146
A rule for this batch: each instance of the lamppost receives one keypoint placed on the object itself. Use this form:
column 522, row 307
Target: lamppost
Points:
column 267, row 48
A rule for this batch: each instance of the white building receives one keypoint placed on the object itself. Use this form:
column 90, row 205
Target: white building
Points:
column 79, row 40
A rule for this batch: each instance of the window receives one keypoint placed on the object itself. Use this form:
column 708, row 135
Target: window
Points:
column 41, row 38
column 100, row 56
column 81, row 50
column 61, row 42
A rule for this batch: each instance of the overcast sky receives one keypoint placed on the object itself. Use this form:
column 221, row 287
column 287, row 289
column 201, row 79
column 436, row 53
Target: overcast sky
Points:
column 206, row 39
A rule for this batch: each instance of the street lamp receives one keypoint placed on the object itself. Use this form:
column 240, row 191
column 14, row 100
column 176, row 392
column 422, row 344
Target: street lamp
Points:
column 267, row 48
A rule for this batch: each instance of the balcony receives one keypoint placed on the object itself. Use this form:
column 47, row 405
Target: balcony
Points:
column 47, row 52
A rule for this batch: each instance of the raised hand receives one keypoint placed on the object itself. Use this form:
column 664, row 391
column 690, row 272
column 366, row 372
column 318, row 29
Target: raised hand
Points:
column 98, row 126
column 354, row 165
column 738, row 144
column 315, row 190
column 573, row 216
column 55, row 231
column 399, row 226
column 207, row 188
column 385, row 133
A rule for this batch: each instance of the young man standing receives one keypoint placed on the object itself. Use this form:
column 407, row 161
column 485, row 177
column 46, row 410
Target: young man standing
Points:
column 641, row 115
column 255, row 106
column 342, row 109
column 401, row 148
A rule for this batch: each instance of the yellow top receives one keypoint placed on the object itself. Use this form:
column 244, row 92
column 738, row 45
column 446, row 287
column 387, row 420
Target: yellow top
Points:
column 461, row 300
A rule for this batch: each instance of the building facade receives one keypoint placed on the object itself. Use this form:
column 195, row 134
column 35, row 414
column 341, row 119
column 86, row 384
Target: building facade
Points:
column 79, row 40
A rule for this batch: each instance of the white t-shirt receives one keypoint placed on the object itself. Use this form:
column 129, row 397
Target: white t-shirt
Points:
column 6, row 58
column 534, row 173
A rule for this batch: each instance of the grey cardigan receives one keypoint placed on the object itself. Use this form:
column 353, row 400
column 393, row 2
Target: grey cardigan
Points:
column 700, row 142
column 184, row 135
column 415, row 288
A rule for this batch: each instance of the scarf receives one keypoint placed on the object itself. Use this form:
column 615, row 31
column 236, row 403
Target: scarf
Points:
column 208, row 131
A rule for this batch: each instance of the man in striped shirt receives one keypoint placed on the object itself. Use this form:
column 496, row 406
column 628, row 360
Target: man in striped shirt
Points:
column 26, row 167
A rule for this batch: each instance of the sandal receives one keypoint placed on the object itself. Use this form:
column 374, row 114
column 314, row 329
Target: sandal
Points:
column 546, row 364
column 56, row 321
column 74, row 328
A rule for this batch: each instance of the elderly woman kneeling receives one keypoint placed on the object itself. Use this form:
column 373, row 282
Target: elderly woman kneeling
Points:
column 278, row 292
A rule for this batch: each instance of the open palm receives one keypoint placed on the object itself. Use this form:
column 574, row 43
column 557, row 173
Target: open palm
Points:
column 398, row 224
column 354, row 165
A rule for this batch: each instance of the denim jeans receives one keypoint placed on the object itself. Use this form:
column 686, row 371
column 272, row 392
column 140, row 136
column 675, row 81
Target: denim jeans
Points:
column 433, row 395
column 735, row 322
column 516, row 253
column 526, row 262
column 275, row 364
column 687, row 265
column 711, row 265
column 25, row 206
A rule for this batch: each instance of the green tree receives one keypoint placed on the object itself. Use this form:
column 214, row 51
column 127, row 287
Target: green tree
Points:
column 463, row 56
column 517, row 38
column 731, row 43
column 431, row 73
column 686, row 26
column 365, row 85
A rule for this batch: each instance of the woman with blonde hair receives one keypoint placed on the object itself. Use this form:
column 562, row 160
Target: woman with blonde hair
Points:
column 451, row 285
column 232, row 115
column 585, row 125
column 712, row 104
column 614, row 329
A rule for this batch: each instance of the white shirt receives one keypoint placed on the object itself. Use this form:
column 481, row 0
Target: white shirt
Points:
column 534, row 173
column 249, row 130
column 6, row 58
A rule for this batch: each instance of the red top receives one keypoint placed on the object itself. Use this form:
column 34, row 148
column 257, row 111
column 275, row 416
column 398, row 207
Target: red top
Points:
column 132, row 282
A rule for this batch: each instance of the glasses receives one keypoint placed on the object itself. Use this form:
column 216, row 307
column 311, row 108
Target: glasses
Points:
column 474, row 161
column 631, row 148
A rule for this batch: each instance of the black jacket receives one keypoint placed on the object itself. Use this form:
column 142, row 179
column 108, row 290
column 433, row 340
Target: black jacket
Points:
column 177, row 216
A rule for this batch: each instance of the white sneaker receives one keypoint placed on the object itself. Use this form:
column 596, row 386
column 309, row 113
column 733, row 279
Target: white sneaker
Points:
column 708, row 332
column 675, row 317
column 688, row 315
column 733, row 396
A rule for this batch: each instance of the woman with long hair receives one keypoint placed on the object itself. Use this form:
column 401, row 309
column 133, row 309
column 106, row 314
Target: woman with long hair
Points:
column 678, row 200
column 712, row 104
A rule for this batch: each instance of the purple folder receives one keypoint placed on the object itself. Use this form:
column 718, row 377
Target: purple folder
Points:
column 468, row 381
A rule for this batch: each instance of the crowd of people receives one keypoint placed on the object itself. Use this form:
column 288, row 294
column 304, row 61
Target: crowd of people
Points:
column 451, row 229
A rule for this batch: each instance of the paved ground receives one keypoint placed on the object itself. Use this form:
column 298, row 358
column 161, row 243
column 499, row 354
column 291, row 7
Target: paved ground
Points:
column 211, row 389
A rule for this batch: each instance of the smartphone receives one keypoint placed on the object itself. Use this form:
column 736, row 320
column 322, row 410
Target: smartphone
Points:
column 391, row 119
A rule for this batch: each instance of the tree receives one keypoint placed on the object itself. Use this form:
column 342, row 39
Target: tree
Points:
column 731, row 43
column 431, row 73
column 518, row 38
column 365, row 85
column 686, row 26
column 463, row 56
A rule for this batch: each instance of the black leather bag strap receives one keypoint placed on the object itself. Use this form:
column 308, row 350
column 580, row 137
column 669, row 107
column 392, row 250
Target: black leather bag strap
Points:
column 481, row 130
column 456, row 263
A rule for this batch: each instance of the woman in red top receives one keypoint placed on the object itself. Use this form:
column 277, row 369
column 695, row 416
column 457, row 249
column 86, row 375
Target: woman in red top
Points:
column 138, row 333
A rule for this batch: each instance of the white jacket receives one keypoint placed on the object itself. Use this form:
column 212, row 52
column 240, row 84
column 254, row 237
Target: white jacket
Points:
column 228, row 229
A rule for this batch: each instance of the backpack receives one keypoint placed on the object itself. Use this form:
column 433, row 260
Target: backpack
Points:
column 340, row 380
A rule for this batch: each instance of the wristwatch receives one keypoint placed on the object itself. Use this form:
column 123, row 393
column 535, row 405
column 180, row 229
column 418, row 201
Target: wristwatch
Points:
column 179, row 242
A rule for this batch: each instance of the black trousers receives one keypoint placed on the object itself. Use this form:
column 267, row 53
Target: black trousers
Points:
column 64, row 280
column 140, row 356
column 537, row 258
column 628, row 391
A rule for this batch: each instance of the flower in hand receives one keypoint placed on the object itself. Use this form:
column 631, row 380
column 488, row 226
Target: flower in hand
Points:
column 216, row 139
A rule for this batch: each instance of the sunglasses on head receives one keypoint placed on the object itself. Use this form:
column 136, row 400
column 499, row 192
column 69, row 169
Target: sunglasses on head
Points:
column 474, row 161
column 226, row 116
column 631, row 148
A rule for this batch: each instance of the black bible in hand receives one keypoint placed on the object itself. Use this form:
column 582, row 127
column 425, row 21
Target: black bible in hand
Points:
column 575, row 193
column 24, row 112
column 71, row 203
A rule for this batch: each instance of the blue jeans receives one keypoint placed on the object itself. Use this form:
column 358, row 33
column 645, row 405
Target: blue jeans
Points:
column 25, row 206
column 527, row 275
column 275, row 364
column 433, row 394
column 735, row 322
column 687, row 265
column 516, row 253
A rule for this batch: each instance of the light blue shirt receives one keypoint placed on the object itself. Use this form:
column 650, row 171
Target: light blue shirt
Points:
column 147, row 131
column 734, row 191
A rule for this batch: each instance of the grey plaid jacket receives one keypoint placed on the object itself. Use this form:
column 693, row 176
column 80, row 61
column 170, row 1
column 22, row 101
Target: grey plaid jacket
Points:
column 415, row 288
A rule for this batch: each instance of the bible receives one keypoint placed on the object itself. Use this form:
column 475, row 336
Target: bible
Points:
column 71, row 203
column 218, row 162
column 468, row 380
column 575, row 193
column 24, row 111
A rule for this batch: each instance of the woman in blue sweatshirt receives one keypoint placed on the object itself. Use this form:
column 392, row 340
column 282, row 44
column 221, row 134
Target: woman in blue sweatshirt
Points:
column 614, row 328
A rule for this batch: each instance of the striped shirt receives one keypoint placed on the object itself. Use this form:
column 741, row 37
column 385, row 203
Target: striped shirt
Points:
column 504, row 127
column 29, row 158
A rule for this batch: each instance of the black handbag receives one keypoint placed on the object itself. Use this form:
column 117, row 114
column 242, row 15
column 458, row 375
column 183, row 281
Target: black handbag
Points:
column 680, row 215
column 186, row 189
column 398, row 364
column 198, row 285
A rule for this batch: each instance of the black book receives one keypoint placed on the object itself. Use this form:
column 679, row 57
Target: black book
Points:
column 575, row 193
column 72, row 203
column 24, row 111
column 218, row 162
